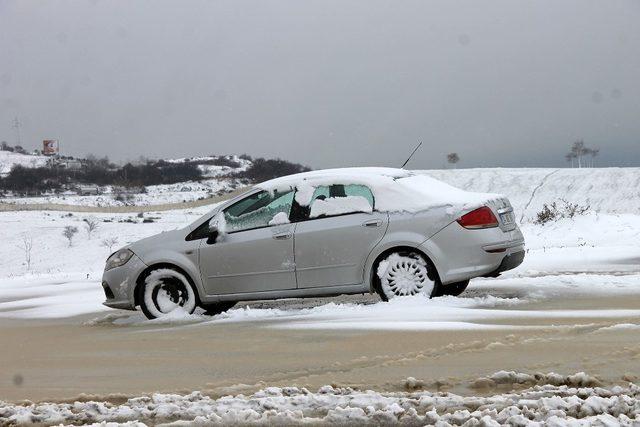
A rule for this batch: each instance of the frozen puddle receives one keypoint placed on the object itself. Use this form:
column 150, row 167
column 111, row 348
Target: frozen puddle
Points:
column 575, row 400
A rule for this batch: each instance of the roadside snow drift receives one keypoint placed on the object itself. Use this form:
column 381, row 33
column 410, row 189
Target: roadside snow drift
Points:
column 569, row 404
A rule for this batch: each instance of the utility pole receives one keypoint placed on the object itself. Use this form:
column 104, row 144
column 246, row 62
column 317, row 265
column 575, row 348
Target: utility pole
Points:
column 16, row 125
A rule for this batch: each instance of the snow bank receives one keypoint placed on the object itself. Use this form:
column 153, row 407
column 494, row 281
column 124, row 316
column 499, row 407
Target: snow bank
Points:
column 511, row 378
column 543, row 404
column 606, row 190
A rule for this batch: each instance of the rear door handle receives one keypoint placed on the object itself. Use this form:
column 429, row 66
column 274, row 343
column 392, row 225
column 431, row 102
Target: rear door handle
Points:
column 283, row 236
column 372, row 223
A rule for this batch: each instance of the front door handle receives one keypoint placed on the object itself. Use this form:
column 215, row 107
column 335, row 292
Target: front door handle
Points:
column 283, row 236
column 372, row 223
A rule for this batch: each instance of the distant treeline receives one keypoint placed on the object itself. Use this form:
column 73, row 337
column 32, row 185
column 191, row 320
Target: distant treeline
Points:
column 264, row 169
column 102, row 172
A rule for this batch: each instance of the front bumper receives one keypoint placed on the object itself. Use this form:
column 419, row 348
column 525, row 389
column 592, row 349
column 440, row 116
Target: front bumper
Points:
column 119, row 284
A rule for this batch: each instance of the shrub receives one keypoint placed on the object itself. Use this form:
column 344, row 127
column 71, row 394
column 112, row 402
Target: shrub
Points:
column 553, row 212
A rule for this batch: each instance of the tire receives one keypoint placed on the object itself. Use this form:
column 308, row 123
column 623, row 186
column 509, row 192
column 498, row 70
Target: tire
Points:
column 404, row 273
column 212, row 309
column 452, row 289
column 163, row 291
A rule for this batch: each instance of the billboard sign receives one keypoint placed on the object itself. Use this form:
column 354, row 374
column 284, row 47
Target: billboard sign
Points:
column 50, row 147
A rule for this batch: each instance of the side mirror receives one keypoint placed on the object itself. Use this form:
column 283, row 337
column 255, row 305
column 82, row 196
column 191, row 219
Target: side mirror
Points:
column 213, row 234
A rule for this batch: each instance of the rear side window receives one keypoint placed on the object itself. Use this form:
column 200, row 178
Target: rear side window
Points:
column 340, row 199
column 259, row 210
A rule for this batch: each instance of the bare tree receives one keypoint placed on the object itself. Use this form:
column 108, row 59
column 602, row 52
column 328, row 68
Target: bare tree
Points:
column 25, row 247
column 453, row 158
column 69, row 232
column 578, row 151
column 109, row 242
column 90, row 225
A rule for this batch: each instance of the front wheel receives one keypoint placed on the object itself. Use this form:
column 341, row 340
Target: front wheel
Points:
column 403, row 273
column 165, row 291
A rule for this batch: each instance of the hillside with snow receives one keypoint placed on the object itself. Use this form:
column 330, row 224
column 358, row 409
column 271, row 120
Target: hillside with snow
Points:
column 605, row 190
column 9, row 159
column 216, row 179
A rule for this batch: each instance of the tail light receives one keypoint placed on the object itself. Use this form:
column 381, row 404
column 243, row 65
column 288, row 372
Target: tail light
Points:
column 480, row 218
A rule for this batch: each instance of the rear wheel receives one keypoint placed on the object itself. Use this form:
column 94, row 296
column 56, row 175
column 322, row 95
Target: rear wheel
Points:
column 164, row 291
column 403, row 273
column 452, row 289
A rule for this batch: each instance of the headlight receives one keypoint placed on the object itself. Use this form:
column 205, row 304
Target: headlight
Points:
column 118, row 259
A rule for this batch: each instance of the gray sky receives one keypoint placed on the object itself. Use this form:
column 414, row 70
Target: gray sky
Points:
column 325, row 83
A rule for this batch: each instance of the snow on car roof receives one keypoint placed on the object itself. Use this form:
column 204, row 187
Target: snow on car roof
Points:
column 338, row 173
column 393, row 189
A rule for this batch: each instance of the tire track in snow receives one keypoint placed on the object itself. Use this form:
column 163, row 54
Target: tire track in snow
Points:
column 535, row 190
column 545, row 334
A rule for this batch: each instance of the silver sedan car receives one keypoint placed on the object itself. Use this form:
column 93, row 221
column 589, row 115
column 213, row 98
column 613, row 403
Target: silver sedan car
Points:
column 321, row 233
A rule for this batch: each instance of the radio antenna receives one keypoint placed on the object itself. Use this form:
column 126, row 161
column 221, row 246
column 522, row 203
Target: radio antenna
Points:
column 411, row 155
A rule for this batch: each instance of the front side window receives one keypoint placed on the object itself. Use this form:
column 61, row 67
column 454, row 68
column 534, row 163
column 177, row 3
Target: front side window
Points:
column 340, row 199
column 258, row 210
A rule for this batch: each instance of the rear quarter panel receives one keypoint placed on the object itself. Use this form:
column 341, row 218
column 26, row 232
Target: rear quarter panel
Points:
column 409, row 230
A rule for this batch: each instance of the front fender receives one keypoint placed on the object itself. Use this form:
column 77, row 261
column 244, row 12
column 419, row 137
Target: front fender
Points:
column 186, row 260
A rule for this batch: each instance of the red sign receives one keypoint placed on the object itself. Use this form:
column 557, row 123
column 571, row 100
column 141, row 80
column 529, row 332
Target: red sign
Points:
column 50, row 147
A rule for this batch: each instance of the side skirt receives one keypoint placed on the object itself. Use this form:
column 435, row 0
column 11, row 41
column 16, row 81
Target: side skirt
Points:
column 328, row 291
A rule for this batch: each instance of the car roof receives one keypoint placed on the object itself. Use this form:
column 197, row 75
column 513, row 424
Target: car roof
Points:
column 362, row 174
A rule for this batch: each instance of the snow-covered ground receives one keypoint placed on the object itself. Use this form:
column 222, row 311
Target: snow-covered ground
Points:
column 605, row 190
column 575, row 400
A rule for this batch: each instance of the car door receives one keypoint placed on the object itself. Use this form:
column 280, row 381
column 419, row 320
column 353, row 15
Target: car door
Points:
column 341, row 229
column 254, row 252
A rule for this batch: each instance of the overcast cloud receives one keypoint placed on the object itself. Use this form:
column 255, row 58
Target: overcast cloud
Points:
column 326, row 83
